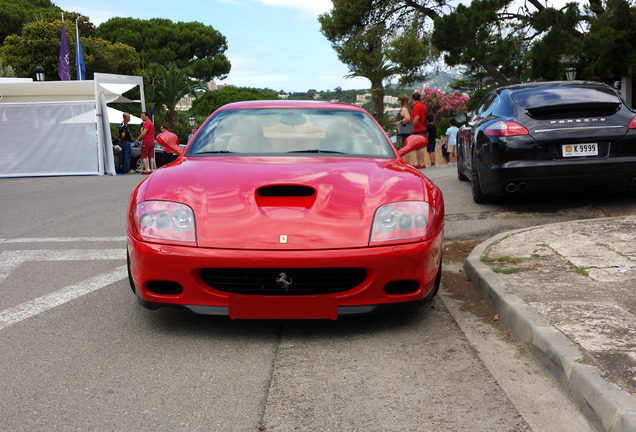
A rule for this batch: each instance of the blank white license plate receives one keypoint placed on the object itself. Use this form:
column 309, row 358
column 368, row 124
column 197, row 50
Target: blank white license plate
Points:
column 589, row 149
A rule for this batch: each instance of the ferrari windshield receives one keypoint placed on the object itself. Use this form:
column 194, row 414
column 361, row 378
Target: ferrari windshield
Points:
column 291, row 131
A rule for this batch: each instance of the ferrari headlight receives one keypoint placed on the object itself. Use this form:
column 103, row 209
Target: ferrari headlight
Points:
column 402, row 220
column 386, row 219
column 165, row 220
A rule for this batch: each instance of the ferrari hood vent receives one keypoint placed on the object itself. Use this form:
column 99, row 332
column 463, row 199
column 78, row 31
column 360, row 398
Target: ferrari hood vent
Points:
column 289, row 191
column 299, row 196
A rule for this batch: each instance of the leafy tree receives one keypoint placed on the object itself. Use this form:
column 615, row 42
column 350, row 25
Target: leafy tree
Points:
column 39, row 44
column 6, row 71
column 371, row 51
column 559, row 40
column 491, row 35
column 103, row 56
column 193, row 44
column 474, row 36
column 609, row 50
column 15, row 13
column 206, row 104
column 36, row 46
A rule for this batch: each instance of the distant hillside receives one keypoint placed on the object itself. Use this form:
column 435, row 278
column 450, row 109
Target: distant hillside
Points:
column 440, row 80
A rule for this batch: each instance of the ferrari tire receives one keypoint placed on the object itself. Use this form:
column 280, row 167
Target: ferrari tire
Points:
column 436, row 286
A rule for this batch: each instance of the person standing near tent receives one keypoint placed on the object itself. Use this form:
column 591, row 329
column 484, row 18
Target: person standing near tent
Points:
column 147, row 138
column 125, row 141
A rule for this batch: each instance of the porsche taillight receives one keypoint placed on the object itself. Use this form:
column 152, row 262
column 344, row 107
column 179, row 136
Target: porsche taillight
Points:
column 632, row 124
column 504, row 128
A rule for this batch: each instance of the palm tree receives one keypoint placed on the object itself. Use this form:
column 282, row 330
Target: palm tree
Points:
column 376, row 73
column 170, row 86
column 365, row 57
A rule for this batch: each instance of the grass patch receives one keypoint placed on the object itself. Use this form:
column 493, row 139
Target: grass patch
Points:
column 501, row 260
column 583, row 271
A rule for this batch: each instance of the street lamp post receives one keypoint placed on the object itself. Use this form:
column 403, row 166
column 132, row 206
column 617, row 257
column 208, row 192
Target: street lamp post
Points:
column 570, row 73
column 192, row 121
column 39, row 73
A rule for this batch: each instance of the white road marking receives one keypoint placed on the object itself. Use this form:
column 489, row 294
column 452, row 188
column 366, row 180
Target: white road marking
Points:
column 10, row 260
column 65, row 240
column 41, row 304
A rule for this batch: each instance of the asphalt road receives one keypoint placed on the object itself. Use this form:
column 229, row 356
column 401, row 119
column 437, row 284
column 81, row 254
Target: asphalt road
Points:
column 78, row 353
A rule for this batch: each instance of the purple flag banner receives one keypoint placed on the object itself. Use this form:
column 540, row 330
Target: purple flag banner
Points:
column 79, row 56
column 64, row 66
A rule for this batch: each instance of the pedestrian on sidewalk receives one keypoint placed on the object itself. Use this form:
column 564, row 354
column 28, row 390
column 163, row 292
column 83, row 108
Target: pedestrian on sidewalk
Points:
column 403, row 121
column 450, row 139
column 431, row 131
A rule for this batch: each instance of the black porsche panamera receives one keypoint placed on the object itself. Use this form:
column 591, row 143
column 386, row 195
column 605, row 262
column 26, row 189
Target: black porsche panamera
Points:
column 555, row 136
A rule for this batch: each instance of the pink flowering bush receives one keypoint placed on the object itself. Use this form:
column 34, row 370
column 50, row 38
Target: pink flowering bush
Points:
column 443, row 105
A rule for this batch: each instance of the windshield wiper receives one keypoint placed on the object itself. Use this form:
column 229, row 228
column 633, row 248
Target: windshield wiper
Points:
column 213, row 152
column 315, row 151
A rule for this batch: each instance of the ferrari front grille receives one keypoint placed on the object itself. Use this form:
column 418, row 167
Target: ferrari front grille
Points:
column 292, row 281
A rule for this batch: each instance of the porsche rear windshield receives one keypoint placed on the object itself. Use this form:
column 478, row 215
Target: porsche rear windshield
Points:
column 291, row 131
column 540, row 97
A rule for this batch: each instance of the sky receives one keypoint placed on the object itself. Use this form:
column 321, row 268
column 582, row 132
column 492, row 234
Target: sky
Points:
column 274, row 44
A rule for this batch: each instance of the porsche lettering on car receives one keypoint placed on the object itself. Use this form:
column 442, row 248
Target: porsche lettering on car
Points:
column 286, row 210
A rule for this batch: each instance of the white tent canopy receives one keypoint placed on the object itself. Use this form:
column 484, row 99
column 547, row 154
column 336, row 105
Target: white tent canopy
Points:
column 61, row 127
column 114, row 116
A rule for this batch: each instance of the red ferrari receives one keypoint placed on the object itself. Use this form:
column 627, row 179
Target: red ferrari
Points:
column 286, row 210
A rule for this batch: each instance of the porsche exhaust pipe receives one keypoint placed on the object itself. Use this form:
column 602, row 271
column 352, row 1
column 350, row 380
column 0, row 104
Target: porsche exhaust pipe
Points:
column 519, row 187
column 511, row 188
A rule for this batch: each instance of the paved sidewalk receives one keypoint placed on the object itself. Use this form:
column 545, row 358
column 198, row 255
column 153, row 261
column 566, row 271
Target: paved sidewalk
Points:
column 567, row 292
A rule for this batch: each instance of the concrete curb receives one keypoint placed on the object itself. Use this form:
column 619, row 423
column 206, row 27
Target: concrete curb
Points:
column 605, row 404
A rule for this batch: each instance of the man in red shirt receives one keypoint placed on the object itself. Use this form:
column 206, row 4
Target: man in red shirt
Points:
column 418, row 114
column 147, row 138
